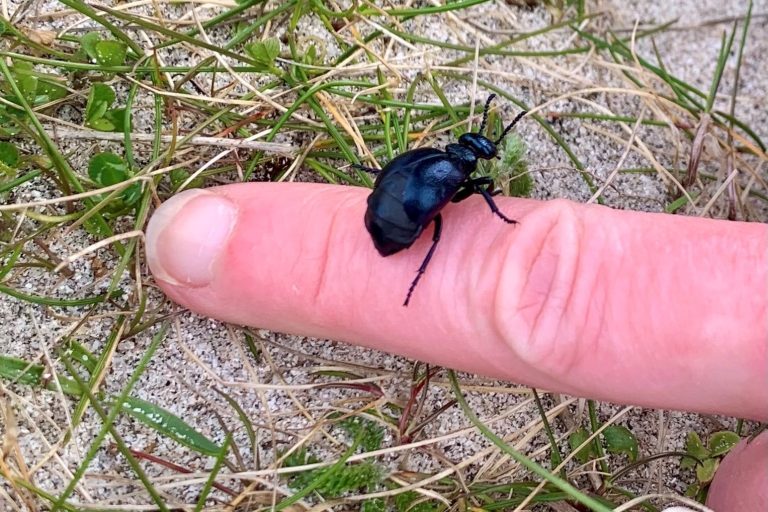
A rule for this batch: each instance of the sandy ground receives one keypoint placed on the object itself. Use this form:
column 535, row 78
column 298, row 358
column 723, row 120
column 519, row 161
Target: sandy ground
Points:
column 202, row 356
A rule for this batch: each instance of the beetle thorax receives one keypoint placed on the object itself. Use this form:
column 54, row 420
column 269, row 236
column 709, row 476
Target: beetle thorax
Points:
column 481, row 146
column 465, row 157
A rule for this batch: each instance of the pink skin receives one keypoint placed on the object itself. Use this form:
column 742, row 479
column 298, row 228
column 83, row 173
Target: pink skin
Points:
column 740, row 482
column 655, row 310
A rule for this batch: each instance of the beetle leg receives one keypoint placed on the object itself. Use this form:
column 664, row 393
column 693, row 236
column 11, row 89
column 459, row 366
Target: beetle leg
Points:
column 490, row 186
column 495, row 209
column 483, row 181
column 435, row 238
column 371, row 170
column 473, row 187
column 464, row 192
column 493, row 190
column 484, row 187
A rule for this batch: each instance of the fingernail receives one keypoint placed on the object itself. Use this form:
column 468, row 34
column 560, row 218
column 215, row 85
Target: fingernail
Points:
column 186, row 235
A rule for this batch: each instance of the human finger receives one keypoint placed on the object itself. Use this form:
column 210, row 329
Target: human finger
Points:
column 657, row 310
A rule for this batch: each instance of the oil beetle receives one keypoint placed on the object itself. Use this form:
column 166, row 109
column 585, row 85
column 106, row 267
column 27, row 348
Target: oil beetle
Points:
column 410, row 191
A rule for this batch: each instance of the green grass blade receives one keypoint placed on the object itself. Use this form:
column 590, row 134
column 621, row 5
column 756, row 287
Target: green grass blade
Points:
column 11, row 184
column 169, row 425
column 108, row 427
column 242, row 415
column 9, row 265
column 557, row 458
column 97, row 367
column 524, row 461
column 77, row 352
column 48, row 301
column 218, row 463
column 722, row 58
column 108, row 419
column 435, row 9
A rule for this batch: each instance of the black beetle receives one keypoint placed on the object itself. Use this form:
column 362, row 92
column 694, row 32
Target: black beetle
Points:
column 411, row 190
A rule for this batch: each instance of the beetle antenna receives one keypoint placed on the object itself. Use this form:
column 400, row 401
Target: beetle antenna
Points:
column 511, row 125
column 485, row 112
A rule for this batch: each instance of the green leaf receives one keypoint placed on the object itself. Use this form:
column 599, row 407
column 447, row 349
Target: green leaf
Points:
column 20, row 371
column 264, row 52
column 88, row 42
column 272, row 48
column 695, row 447
column 78, row 353
column 9, row 155
column 107, row 169
column 22, row 67
column 99, row 115
column 102, row 125
column 95, row 111
column 310, row 55
column 619, row 439
column 103, row 93
column 688, row 463
column 111, row 53
column 50, row 90
column 179, row 176
column 117, row 117
column 9, row 125
column 28, row 86
column 132, row 194
column 721, row 442
column 692, row 490
column 96, row 228
column 170, row 425
column 30, row 374
column 706, row 472
column 100, row 99
column 577, row 439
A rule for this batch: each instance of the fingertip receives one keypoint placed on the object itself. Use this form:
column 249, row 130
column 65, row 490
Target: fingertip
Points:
column 741, row 481
column 186, row 235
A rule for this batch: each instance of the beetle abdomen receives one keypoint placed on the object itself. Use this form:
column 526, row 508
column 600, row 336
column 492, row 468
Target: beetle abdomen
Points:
column 390, row 227
column 409, row 192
